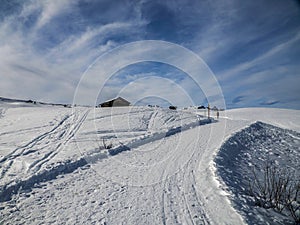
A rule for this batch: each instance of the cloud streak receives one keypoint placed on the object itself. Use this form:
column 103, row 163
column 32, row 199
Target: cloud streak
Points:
column 252, row 47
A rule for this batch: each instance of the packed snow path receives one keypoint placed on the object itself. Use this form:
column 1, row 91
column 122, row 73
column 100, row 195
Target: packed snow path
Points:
column 163, row 180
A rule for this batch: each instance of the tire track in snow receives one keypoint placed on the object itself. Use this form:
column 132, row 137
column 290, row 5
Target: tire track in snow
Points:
column 181, row 203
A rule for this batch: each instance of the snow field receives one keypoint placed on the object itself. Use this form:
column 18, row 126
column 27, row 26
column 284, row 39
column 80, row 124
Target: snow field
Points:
column 160, row 168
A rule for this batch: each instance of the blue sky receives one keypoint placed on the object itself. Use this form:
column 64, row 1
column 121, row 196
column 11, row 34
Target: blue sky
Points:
column 252, row 48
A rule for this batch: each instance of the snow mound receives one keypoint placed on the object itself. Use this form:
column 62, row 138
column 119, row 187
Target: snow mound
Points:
column 248, row 150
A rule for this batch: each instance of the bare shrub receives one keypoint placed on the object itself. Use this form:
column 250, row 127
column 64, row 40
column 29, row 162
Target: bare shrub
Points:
column 276, row 189
column 105, row 145
column 292, row 201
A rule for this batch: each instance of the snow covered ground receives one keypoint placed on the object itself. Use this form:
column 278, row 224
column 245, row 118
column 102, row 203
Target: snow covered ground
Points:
column 135, row 165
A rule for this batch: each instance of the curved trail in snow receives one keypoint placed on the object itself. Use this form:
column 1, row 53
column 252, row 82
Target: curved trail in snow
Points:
column 156, row 182
column 171, row 169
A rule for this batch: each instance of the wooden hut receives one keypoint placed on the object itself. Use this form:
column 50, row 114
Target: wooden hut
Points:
column 116, row 102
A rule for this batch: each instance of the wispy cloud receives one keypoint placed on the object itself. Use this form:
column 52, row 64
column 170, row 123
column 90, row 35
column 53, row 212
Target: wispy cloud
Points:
column 59, row 68
column 272, row 55
column 238, row 99
column 252, row 47
column 51, row 8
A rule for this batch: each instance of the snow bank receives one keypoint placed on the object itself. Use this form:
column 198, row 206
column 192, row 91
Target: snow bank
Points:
column 249, row 150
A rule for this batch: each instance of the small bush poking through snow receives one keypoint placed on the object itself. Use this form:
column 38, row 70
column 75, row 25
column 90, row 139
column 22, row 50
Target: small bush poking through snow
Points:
column 106, row 146
column 274, row 188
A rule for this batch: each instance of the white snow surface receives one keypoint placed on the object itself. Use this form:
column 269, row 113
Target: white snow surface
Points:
column 160, row 169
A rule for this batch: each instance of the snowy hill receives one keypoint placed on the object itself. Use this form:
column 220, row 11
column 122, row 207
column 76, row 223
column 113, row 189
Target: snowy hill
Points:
column 9, row 102
column 139, row 165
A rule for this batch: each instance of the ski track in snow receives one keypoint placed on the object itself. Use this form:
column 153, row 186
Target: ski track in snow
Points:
column 41, row 149
column 180, row 203
column 165, row 178
column 184, row 212
column 67, row 132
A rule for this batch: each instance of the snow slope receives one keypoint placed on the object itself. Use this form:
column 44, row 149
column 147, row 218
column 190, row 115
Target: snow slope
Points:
column 160, row 168
column 250, row 150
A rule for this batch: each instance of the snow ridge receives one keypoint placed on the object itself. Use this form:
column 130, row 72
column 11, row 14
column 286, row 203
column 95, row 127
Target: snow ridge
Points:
column 7, row 191
column 250, row 149
column 157, row 136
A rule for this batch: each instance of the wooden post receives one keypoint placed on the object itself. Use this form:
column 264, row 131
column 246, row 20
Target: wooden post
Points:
column 208, row 111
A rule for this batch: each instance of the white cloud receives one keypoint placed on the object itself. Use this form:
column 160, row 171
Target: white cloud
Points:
column 52, row 74
column 264, row 58
column 76, row 45
column 216, row 29
column 52, row 8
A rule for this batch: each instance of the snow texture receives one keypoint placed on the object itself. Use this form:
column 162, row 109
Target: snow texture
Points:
column 137, row 165
column 249, row 150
